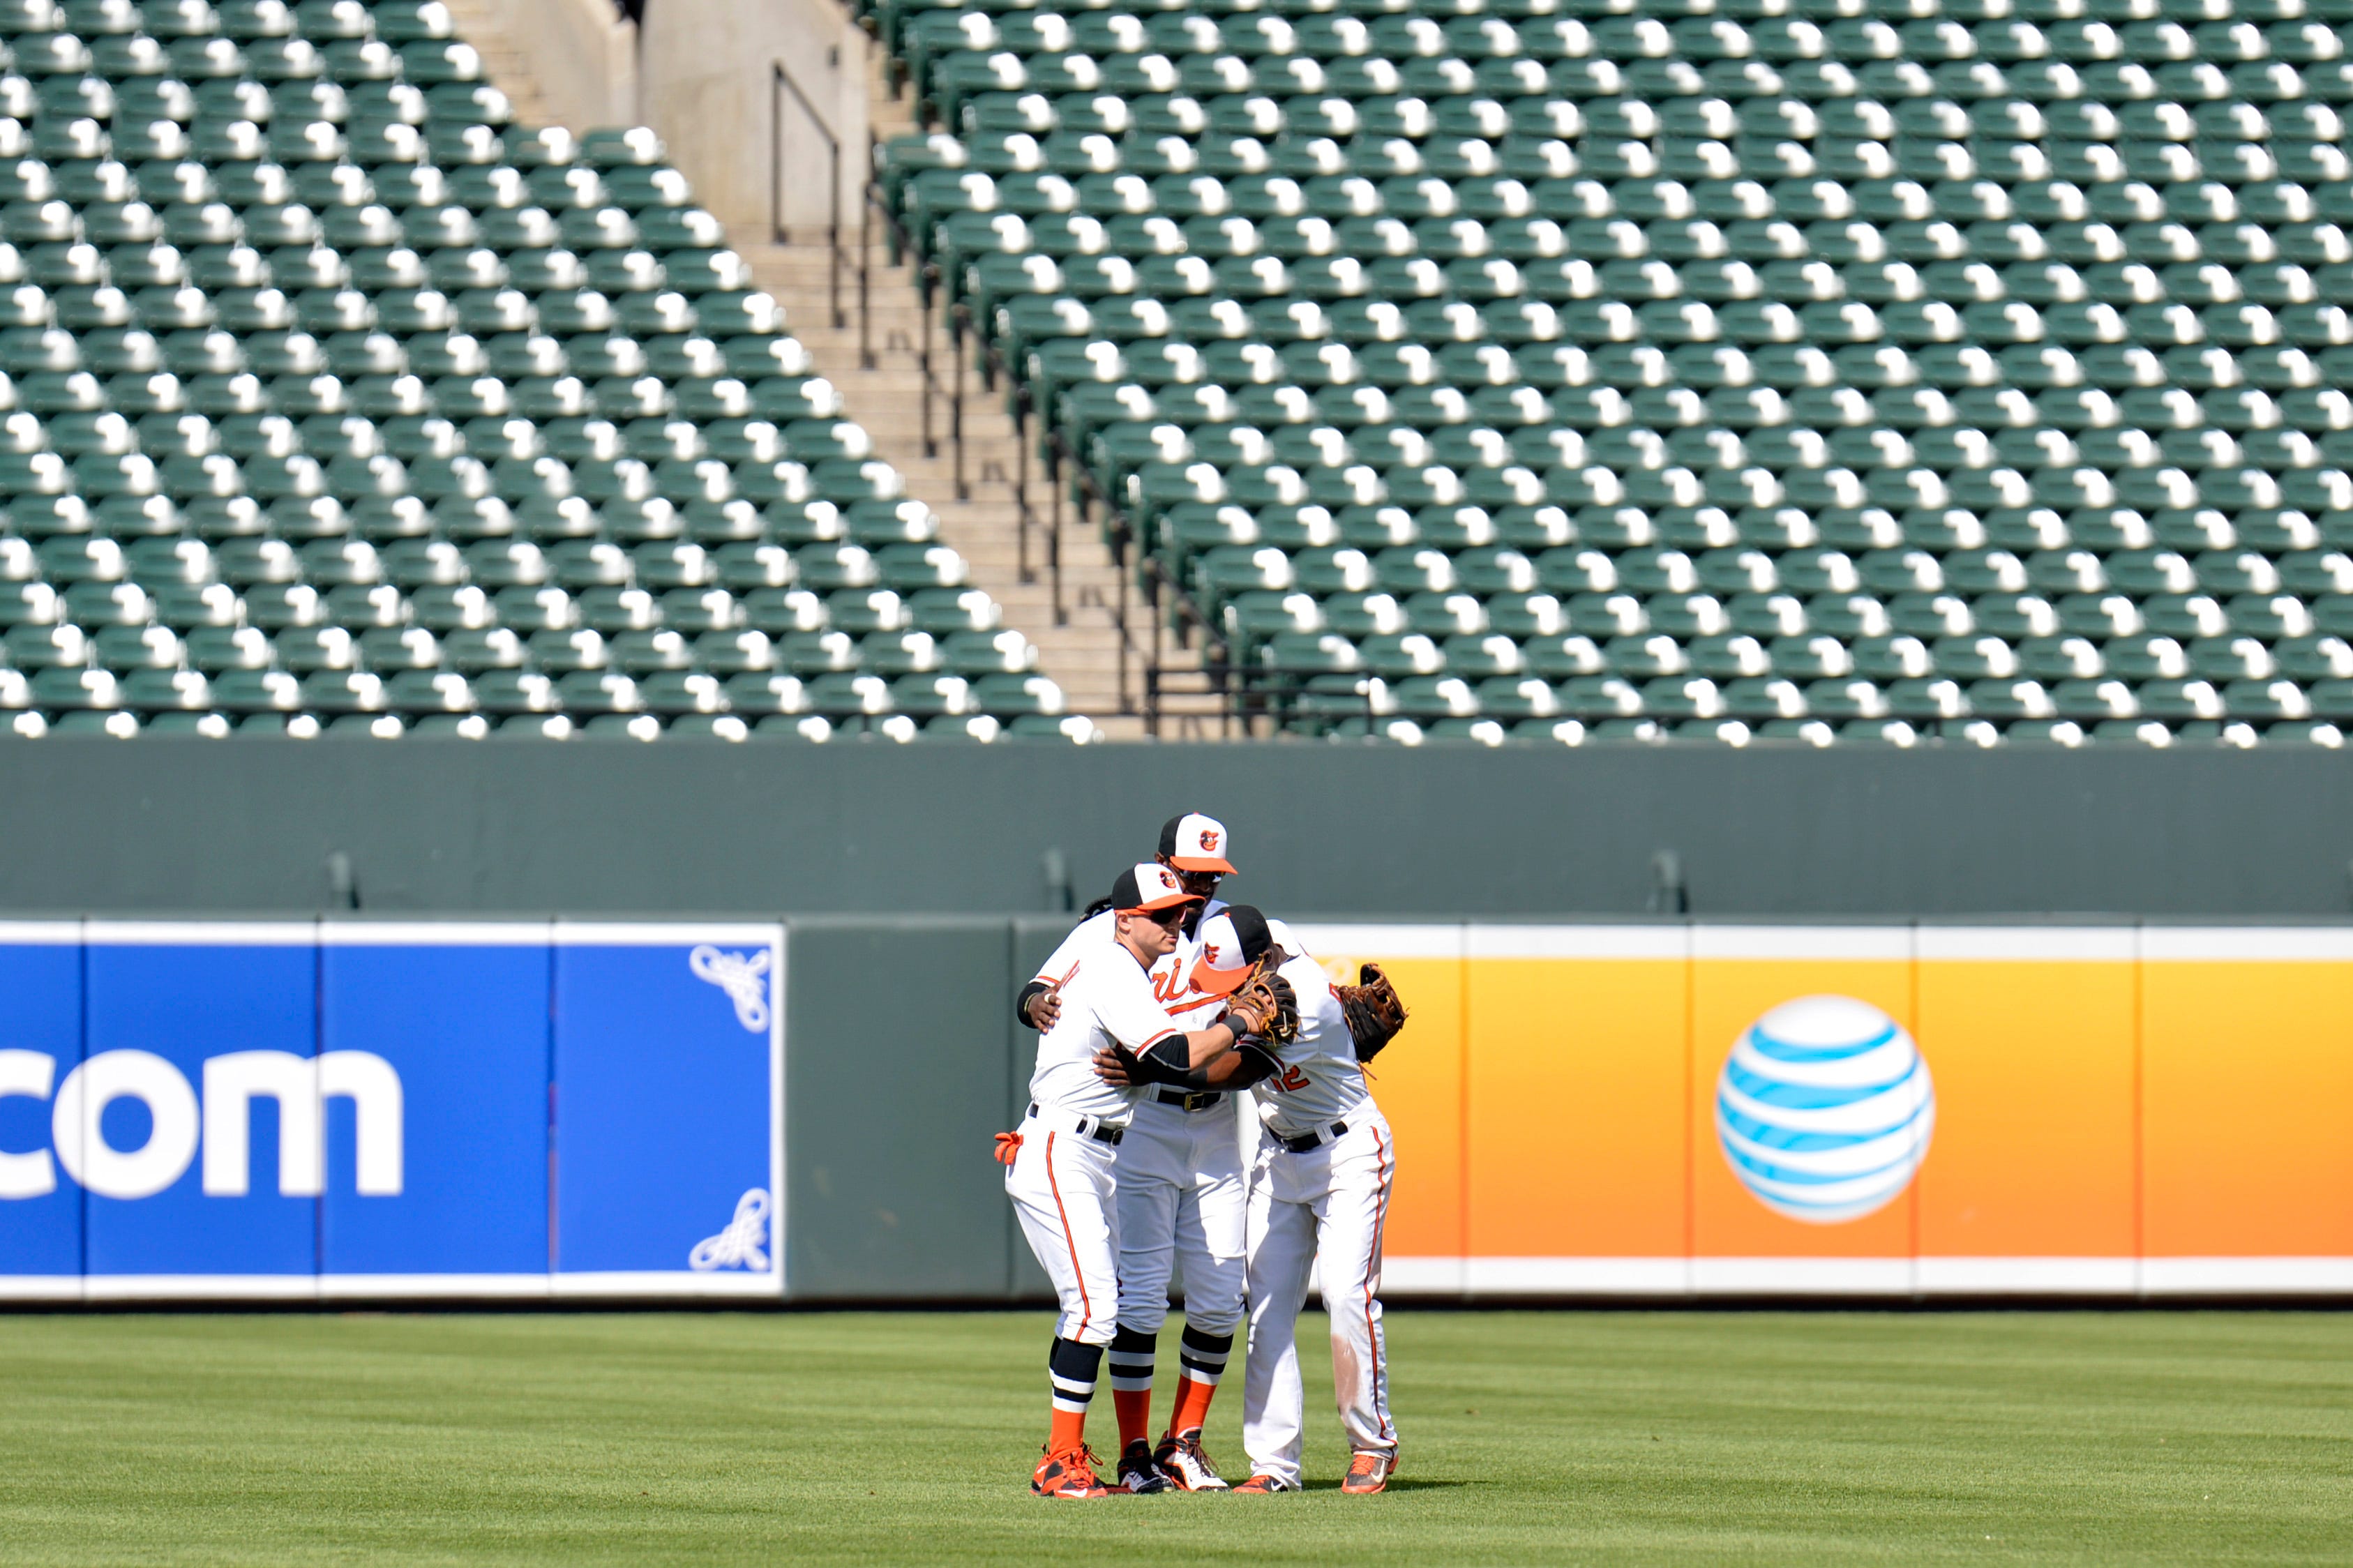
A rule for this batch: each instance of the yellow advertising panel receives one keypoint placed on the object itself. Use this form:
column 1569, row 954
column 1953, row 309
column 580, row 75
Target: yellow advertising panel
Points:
column 1420, row 1091
column 1674, row 1110
column 1578, row 1079
column 2247, row 1084
column 2030, row 1183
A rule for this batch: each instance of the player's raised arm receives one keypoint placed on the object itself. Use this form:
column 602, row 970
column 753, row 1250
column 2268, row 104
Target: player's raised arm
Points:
column 1239, row 964
column 1182, row 1051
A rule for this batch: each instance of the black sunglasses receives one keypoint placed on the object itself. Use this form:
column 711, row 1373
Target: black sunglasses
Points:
column 1168, row 918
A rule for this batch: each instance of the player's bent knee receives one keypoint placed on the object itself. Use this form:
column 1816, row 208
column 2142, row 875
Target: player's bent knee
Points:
column 1143, row 1318
column 1220, row 1307
column 1218, row 1311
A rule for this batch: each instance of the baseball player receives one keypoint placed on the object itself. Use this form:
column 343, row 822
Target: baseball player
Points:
column 1319, row 1193
column 1059, row 1164
column 1182, row 1197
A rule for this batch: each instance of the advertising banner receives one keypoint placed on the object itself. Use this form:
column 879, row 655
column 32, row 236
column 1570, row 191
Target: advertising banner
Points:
column 298, row 1111
column 40, row 1049
column 461, row 1016
column 1676, row 1109
column 633, row 1211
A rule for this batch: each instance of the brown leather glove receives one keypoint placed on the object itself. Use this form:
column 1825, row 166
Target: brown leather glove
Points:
column 1374, row 1010
column 1266, row 1006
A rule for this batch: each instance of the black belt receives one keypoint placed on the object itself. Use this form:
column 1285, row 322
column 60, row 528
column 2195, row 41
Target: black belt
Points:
column 1198, row 1101
column 1306, row 1142
column 1093, row 1127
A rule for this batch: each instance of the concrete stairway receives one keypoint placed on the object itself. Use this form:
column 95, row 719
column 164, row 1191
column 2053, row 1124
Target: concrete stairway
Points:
column 1078, row 630
column 504, row 63
column 1077, row 633
column 1079, row 641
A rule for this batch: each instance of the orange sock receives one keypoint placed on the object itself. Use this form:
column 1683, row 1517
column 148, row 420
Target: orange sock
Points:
column 1192, row 1410
column 1135, row 1407
column 1070, row 1431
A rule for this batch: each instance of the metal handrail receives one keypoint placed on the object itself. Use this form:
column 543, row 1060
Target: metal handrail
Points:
column 1120, row 530
column 926, row 275
column 1182, row 611
column 866, row 209
column 994, row 367
column 781, row 78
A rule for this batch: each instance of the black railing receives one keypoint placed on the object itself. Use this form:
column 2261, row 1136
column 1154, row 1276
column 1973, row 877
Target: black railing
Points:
column 780, row 83
column 925, row 276
column 1178, row 613
column 994, row 372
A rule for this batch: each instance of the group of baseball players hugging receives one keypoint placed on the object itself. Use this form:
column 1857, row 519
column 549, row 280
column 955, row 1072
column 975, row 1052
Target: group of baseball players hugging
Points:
column 1162, row 1008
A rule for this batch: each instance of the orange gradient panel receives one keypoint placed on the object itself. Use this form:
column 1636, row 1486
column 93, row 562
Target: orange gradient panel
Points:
column 2247, row 1097
column 1728, row 994
column 1418, row 1082
column 1577, row 1095
column 2032, row 1154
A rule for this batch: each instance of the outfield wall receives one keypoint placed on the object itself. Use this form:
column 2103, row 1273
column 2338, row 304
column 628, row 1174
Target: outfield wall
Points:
column 2117, row 1110
column 161, row 826
column 801, row 1109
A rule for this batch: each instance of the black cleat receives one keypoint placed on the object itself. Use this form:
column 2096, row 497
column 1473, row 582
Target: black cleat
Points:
column 1138, row 1474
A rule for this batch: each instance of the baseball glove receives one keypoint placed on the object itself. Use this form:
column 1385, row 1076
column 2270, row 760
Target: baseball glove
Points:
column 1374, row 1010
column 1265, row 1006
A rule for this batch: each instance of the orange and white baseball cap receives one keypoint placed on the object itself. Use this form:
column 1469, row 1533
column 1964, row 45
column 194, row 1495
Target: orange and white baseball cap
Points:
column 1148, row 888
column 1231, row 941
column 1196, row 843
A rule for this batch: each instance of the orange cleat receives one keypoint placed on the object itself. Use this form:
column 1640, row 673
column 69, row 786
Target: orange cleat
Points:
column 1180, row 1458
column 1369, row 1472
column 1070, row 1474
column 1258, row 1485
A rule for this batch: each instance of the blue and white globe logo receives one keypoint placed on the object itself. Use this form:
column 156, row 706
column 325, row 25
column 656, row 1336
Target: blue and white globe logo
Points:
column 1824, row 1109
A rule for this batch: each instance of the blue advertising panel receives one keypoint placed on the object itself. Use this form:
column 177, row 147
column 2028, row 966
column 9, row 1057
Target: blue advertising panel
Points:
column 222, row 1111
column 447, row 1176
column 668, row 1055
column 201, row 1036
column 40, row 1046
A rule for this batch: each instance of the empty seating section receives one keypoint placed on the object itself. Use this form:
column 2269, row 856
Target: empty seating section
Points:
column 1569, row 368
column 334, row 399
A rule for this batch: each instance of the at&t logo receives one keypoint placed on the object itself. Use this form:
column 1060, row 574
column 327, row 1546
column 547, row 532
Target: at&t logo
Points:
column 1824, row 1109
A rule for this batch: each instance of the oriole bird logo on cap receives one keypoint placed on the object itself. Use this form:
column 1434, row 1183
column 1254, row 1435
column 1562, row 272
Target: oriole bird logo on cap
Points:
column 1195, row 843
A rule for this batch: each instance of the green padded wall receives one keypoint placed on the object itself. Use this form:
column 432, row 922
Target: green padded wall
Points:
column 896, row 1064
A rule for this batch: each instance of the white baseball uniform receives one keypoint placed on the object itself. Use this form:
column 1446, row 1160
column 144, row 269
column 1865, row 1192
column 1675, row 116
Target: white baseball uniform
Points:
column 1183, row 1195
column 1319, row 1195
column 1061, row 1180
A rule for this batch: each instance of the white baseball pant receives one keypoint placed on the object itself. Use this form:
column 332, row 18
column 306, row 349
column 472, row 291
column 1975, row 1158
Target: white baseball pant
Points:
column 1318, row 1215
column 1182, row 1200
column 1061, row 1184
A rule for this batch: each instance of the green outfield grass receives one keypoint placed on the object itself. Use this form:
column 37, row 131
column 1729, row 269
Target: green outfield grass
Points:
column 1529, row 1437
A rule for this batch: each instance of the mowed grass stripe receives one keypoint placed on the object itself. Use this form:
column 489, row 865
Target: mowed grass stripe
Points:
column 876, row 1437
